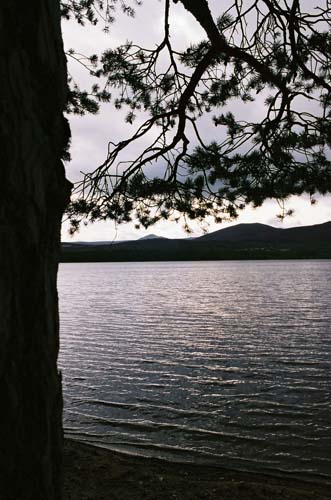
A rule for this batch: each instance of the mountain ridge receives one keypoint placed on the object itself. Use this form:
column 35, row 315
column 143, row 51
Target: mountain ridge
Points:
column 263, row 232
column 239, row 242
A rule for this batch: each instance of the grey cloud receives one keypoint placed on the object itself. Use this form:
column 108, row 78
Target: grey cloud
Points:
column 91, row 134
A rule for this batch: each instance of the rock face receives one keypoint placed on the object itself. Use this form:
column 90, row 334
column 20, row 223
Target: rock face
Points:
column 33, row 194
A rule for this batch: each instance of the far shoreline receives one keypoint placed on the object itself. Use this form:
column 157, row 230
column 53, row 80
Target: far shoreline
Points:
column 240, row 242
column 95, row 473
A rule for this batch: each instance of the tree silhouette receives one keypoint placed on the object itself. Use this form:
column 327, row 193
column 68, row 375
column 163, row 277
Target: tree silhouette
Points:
column 275, row 54
column 33, row 196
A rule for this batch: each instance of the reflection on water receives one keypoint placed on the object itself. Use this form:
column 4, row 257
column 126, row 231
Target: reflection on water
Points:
column 222, row 362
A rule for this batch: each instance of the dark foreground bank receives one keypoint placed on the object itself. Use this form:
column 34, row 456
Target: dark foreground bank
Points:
column 96, row 474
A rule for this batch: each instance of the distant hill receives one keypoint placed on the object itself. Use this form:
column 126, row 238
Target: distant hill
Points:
column 239, row 242
column 153, row 237
column 242, row 232
column 262, row 232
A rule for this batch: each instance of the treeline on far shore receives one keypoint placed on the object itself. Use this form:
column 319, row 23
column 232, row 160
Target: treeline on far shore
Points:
column 172, row 250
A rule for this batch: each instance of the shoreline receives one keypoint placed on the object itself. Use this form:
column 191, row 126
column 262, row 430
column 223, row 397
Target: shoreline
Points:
column 94, row 473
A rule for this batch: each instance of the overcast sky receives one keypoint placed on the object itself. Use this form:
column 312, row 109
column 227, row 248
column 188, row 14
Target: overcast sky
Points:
column 91, row 134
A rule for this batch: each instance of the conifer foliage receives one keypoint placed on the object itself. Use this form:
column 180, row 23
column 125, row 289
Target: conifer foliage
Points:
column 275, row 55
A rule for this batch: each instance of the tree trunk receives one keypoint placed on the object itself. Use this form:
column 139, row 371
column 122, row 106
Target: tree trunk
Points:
column 33, row 194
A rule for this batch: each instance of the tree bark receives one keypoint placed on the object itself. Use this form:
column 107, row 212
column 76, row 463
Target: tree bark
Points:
column 33, row 194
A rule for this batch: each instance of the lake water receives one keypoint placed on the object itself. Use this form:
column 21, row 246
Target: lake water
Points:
column 225, row 363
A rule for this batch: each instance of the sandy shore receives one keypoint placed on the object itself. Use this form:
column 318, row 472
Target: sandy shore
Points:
column 96, row 474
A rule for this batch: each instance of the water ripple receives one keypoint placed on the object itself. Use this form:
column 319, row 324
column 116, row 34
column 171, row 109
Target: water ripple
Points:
column 227, row 363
